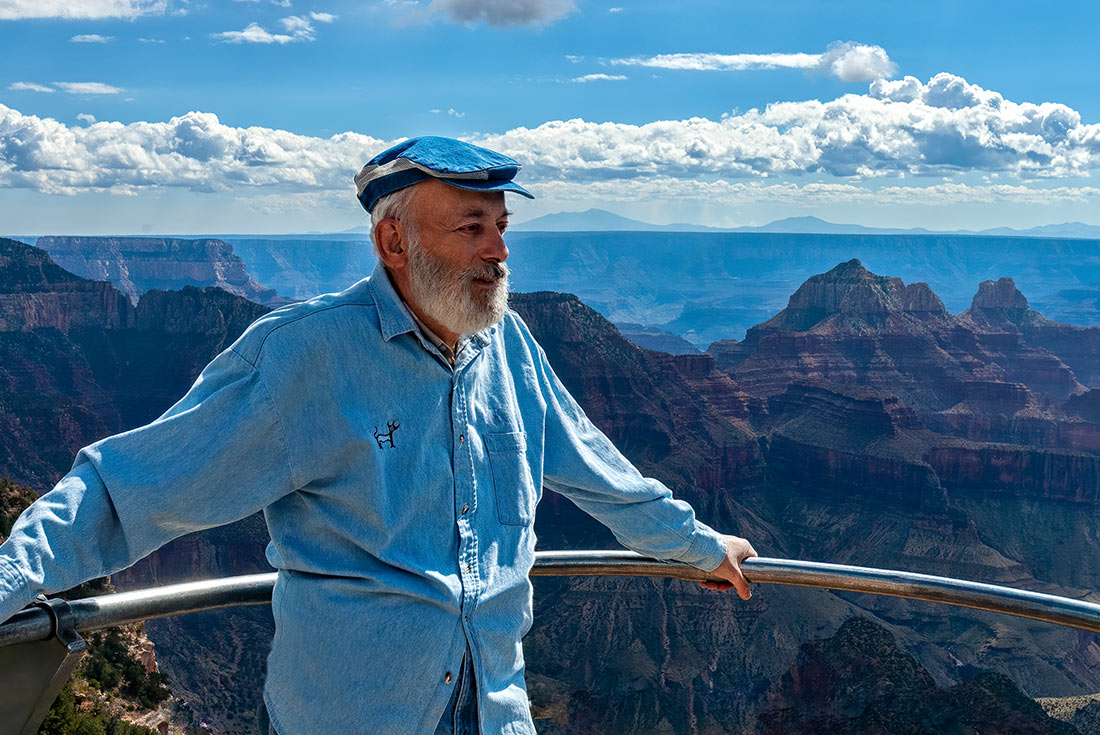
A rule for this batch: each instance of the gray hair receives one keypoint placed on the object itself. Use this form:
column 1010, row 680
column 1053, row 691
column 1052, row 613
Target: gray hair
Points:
column 394, row 205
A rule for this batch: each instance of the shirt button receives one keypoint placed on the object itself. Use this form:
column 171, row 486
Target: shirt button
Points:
column 465, row 509
column 447, row 677
column 461, row 438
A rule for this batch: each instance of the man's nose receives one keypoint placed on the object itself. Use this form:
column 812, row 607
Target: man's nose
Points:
column 495, row 250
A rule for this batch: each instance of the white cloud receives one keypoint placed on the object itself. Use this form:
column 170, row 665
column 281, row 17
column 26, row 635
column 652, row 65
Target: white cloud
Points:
column 86, row 118
column 87, row 88
column 297, row 27
column 614, row 10
column 323, row 17
column 252, row 33
column 455, row 113
column 29, row 87
column 850, row 62
column 598, row 78
column 20, row 9
column 91, row 38
column 503, row 13
column 943, row 127
column 194, row 151
column 151, row 40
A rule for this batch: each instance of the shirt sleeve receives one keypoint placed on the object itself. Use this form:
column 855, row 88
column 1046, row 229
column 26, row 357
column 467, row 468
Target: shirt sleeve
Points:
column 582, row 464
column 218, row 455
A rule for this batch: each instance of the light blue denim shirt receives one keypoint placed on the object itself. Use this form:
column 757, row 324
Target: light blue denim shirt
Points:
column 399, row 493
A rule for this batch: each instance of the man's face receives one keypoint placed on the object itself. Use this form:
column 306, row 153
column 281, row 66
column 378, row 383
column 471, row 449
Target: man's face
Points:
column 456, row 270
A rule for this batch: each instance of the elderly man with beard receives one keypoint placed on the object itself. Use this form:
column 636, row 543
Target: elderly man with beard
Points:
column 396, row 436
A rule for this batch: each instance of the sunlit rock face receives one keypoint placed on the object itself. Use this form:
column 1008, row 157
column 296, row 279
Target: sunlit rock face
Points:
column 139, row 264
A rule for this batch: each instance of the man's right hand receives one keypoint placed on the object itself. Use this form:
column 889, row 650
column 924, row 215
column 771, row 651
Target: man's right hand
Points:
column 737, row 550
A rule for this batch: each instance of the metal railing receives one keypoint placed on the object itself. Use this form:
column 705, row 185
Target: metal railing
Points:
column 93, row 613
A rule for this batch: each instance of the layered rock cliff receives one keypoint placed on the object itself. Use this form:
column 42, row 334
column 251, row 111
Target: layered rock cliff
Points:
column 139, row 264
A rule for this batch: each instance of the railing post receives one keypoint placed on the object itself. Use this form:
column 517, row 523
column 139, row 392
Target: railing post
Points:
column 33, row 673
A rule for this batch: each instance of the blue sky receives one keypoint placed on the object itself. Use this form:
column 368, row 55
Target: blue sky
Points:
column 130, row 116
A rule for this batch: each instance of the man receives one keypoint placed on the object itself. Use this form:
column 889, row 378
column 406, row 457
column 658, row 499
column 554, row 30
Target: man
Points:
column 397, row 436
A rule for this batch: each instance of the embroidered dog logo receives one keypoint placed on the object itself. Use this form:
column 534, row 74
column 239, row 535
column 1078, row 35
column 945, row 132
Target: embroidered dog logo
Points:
column 388, row 436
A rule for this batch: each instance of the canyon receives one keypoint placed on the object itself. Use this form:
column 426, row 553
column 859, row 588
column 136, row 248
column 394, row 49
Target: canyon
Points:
column 863, row 423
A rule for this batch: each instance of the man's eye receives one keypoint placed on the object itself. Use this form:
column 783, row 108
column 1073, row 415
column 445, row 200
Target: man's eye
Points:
column 470, row 228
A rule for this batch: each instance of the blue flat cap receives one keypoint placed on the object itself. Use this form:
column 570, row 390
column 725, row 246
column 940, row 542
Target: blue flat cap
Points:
column 451, row 161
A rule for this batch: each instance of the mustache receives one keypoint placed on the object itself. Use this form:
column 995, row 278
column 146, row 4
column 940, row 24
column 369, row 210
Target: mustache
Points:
column 488, row 272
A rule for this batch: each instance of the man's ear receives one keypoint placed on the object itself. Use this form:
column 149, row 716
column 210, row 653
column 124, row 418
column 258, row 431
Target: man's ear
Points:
column 391, row 238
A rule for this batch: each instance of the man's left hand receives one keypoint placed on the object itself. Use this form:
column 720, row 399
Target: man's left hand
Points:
column 737, row 550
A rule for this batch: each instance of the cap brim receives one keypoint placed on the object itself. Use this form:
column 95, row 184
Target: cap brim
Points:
column 490, row 185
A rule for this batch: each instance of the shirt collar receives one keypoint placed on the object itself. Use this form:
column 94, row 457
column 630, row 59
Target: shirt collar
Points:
column 435, row 339
column 395, row 317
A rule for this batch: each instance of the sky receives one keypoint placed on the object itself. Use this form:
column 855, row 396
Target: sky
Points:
column 252, row 116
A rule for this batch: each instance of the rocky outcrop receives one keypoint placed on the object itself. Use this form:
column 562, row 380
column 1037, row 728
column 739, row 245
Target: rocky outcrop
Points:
column 139, row 264
column 35, row 293
column 860, row 682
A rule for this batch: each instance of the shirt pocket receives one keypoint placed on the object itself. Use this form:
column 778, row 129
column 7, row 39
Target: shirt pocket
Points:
column 512, row 484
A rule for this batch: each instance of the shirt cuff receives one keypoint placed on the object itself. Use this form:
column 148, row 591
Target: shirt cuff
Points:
column 707, row 550
column 14, row 594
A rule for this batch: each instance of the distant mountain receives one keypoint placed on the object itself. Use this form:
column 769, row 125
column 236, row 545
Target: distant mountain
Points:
column 1066, row 229
column 600, row 220
column 816, row 225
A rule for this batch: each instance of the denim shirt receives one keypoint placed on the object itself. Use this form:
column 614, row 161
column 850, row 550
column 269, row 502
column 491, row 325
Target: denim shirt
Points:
column 399, row 493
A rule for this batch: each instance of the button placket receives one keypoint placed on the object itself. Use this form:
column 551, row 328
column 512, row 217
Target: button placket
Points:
column 467, row 552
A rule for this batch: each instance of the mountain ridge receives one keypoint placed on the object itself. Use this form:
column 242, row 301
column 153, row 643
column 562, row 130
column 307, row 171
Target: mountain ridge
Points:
column 602, row 220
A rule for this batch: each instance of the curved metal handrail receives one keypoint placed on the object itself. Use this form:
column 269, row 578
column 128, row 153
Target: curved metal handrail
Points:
column 106, row 611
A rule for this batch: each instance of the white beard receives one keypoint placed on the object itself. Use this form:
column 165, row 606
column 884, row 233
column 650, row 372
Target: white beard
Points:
column 450, row 298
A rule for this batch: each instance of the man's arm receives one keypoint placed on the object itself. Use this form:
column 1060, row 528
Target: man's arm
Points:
column 216, row 456
column 581, row 463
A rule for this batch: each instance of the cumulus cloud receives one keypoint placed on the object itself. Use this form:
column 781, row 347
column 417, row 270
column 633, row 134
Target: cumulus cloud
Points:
column 86, row 118
column 87, row 88
column 20, row 9
column 938, row 128
column 323, row 17
column 598, row 78
column 297, row 27
column 193, row 151
column 504, row 13
column 91, row 38
column 850, row 62
column 29, row 87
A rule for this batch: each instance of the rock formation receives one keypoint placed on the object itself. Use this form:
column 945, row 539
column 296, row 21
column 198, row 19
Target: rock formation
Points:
column 139, row 264
column 859, row 682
